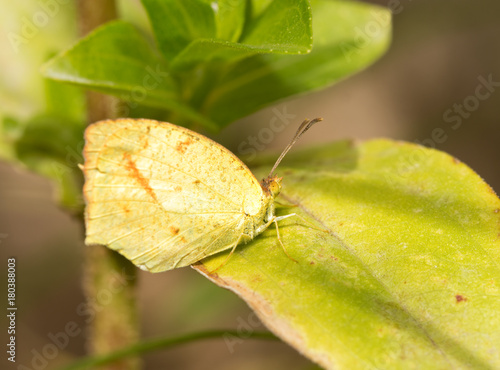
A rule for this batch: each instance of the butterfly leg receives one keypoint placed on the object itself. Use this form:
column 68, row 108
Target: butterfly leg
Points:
column 276, row 219
column 285, row 205
column 312, row 226
column 229, row 256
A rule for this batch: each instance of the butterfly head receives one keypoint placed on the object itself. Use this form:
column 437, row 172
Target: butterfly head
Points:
column 272, row 185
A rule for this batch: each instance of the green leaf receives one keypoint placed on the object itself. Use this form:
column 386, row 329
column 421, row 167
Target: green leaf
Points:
column 113, row 56
column 177, row 23
column 348, row 36
column 117, row 59
column 230, row 19
column 405, row 274
column 161, row 344
column 10, row 131
column 212, row 81
column 257, row 7
column 285, row 26
column 52, row 146
column 64, row 100
column 217, row 51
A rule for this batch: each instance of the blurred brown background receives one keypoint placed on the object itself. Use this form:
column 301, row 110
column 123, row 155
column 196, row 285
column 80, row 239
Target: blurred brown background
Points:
column 440, row 52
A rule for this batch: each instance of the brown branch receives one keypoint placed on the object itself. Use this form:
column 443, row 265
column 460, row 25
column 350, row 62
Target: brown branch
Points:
column 109, row 279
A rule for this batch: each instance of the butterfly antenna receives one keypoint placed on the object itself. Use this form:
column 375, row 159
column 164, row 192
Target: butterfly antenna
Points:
column 306, row 125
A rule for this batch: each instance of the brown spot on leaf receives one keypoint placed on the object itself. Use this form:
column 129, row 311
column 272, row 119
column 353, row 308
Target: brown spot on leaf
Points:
column 496, row 210
column 455, row 160
column 196, row 181
column 311, row 263
column 182, row 145
column 178, row 188
column 173, row 230
column 134, row 173
column 460, row 298
column 183, row 239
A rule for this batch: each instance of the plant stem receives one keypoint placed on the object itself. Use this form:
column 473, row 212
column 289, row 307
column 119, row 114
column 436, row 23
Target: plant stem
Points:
column 109, row 279
column 162, row 343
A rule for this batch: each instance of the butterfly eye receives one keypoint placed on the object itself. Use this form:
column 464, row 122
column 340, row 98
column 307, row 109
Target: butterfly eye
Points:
column 275, row 186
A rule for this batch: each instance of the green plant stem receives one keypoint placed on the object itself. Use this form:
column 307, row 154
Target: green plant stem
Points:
column 161, row 343
column 109, row 279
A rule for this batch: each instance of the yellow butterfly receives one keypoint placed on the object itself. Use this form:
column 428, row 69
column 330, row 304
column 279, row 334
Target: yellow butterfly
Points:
column 166, row 197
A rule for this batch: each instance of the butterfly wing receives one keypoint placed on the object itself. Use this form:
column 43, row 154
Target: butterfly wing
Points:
column 162, row 195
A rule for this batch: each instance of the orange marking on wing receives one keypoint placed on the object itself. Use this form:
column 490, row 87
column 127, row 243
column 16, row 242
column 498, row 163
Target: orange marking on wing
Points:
column 174, row 230
column 182, row 145
column 134, row 172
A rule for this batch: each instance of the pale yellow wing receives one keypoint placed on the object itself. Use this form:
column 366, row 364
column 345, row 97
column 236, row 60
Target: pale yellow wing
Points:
column 162, row 195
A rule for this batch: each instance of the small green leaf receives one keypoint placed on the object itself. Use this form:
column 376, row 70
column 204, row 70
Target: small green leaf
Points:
column 213, row 51
column 177, row 23
column 10, row 131
column 52, row 147
column 257, row 7
column 230, row 19
column 285, row 27
column 64, row 100
column 117, row 59
column 400, row 272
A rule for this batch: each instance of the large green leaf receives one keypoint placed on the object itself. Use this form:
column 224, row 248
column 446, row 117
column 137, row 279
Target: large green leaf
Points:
column 406, row 275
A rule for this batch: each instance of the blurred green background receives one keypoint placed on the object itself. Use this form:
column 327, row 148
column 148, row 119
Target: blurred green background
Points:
column 441, row 52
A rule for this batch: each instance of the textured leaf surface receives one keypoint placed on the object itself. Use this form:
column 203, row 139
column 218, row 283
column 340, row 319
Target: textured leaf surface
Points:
column 407, row 274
